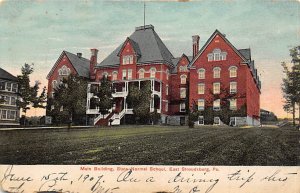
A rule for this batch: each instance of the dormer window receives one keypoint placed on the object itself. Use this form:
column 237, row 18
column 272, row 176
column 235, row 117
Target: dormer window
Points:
column 216, row 55
column 183, row 69
column 128, row 59
column 152, row 72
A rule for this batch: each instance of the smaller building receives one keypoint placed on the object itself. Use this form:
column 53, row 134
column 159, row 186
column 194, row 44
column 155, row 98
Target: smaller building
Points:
column 267, row 116
column 9, row 112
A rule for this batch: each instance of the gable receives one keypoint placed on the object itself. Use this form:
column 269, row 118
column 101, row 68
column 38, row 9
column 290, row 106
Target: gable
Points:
column 182, row 65
column 217, row 40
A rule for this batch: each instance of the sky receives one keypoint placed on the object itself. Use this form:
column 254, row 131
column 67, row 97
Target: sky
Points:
column 38, row 31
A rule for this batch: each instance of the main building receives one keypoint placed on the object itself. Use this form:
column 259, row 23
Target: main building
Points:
column 177, row 83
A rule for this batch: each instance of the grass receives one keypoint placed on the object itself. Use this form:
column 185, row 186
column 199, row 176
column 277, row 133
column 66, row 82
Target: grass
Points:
column 143, row 145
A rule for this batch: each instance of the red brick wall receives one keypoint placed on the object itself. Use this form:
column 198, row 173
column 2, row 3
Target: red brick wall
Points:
column 55, row 75
column 245, row 83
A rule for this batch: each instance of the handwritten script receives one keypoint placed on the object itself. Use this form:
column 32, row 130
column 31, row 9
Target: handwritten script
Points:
column 122, row 179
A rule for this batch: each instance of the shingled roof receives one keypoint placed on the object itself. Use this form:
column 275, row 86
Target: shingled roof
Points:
column 80, row 64
column 246, row 53
column 147, row 42
column 6, row 75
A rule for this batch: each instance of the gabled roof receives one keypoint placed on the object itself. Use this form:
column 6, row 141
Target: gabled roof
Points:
column 133, row 44
column 176, row 60
column 80, row 64
column 149, row 44
column 7, row 76
column 217, row 32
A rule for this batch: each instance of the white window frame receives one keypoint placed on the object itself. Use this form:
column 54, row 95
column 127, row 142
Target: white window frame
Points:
column 202, row 117
column 141, row 73
column 167, row 74
column 105, row 74
column 167, row 106
column 64, row 71
column 233, row 104
column 201, row 73
column 182, row 107
column 217, row 105
column 129, row 74
column 183, row 79
column 232, row 71
column 182, row 93
column 201, row 108
column 201, row 88
column 8, row 114
column 54, row 84
column 15, row 87
column 127, row 59
column 152, row 72
column 217, row 72
column 216, row 88
column 219, row 121
column 124, row 74
column 233, row 87
column 114, row 75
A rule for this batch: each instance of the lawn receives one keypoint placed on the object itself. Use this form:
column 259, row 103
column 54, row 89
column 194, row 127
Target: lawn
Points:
column 153, row 145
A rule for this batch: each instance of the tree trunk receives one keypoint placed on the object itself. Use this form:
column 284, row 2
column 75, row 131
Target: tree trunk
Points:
column 294, row 113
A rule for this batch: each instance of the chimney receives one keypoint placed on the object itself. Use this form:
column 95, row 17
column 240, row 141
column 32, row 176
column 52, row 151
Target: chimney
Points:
column 196, row 39
column 79, row 55
column 93, row 62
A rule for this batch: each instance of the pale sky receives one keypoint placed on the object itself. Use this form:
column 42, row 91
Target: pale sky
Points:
column 38, row 31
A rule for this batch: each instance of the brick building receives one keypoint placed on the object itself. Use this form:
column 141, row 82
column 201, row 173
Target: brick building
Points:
column 9, row 112
column 177, row 83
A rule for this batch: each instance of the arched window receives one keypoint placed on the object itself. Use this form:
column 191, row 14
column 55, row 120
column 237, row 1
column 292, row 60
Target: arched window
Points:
column 104, row 75
column 233, row 71
column 217, row 72
column 141, row 73
column 201, row 73
column 183, row 79
column 114, row 75
column 64, row 71
column 54, row 84
column 152, row 72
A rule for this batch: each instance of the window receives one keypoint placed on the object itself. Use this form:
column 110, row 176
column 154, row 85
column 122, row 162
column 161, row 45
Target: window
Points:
column 233, row 72
column 201, row 104
column 201, row 73
column 216, row 88
column 4, row 114
column 115, row 75
column 54, row 84
column 168, row 74
column 201, row 88
column 233, row 104
column 152, row 72
column 124, row 74
column 183, row 69
column 183, row 79
column 217, row 121
column 64, row 71
column 166, row 107
column 128, row 59
column 2, row 85
column 216, row 55
column 11, row 115
column 7, row 100
column 167, row 89
column 217, row 72
column 104, row 75
column 9, row 86
column 200, row 120
column 233, row 87
column 141, row 73
column 182, row 107
column 129, row 75
column 13, row 101
column 182, row 93
column 216, row 104
column 15, row 88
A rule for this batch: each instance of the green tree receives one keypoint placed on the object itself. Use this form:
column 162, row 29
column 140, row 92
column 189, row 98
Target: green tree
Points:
column 69, row 98
column 291, row 83
column 140, row 99
column 29, row 95
column 104, row 93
